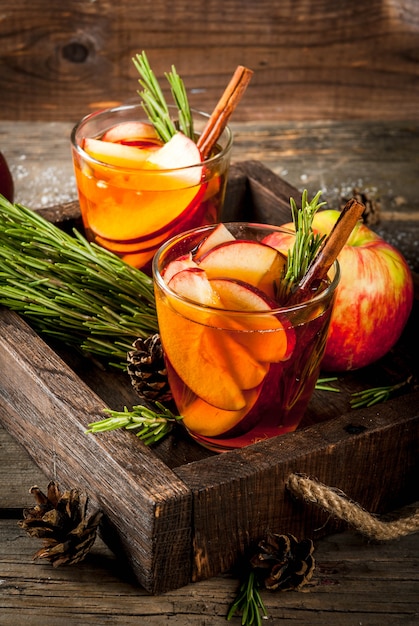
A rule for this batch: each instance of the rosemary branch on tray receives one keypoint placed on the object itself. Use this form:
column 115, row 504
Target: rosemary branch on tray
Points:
column 71, row 289
column 150, row 425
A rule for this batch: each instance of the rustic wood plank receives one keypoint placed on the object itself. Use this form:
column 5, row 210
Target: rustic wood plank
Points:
column 18, row 473
column 203, row 476
column 380, row 158
column 340, row 453
column 311, row 61
column 354, row 582
column 48, row 411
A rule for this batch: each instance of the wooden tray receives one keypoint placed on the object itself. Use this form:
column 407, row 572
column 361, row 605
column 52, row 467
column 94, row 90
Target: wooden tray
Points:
column 178, row 513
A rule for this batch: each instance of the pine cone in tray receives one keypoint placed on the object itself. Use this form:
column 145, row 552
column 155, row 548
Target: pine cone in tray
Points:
column 147, row 369
column 283, row 563
column 61, row 521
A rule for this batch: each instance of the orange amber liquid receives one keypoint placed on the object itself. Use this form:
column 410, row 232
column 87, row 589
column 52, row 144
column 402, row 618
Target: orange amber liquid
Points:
column 239, row 377
column 132, row 212
column 240, row 358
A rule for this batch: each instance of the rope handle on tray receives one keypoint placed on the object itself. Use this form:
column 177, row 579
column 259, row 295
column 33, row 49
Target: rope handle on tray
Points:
column 338, row 504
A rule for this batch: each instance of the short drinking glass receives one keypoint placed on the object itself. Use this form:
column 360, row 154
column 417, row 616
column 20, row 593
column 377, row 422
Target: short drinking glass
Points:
column 241, row 367
column 131, row 203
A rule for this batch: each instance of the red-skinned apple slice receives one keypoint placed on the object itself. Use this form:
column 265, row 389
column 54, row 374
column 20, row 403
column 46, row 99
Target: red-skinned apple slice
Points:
column 219, row 235
column 280, row 240
column 269, row 338
column 116, row 154
column 178, row 153
column 130, row 131
column 184, row 262
column 210, row 362
column 249, row 261
column 192, row 283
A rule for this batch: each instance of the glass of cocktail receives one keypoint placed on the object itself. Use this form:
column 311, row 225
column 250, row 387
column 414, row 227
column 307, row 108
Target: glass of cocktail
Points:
column 242, row 366
column 136, row 192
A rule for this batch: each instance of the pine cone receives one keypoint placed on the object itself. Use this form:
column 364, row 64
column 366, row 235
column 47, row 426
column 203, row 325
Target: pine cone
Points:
column 147, row 369
column 61, row 521
column 283, row 563
column 371, row 214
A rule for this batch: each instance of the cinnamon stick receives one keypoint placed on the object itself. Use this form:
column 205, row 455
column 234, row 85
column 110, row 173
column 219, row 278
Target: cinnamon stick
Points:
column 223, row 110
column 329, row 251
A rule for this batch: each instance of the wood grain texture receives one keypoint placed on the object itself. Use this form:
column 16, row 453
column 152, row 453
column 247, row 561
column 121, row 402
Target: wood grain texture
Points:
column 312, row 60
column 355, row 582
column 168, row 510
column 48, row 411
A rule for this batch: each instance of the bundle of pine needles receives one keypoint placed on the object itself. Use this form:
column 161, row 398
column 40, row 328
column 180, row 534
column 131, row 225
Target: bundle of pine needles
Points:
column 71, row 289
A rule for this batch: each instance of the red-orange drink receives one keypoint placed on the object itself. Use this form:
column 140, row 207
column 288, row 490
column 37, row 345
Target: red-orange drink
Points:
column 134, row 196
column 241, row 366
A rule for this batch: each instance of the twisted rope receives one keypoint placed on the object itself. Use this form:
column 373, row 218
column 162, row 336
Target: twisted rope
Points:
column 338, row 504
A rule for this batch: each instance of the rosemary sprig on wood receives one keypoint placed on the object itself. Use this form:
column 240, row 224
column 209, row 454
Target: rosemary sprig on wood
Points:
column 248, row 602
column 71, row 289
column 150, row 425
column 375, row 395
column 155, row 104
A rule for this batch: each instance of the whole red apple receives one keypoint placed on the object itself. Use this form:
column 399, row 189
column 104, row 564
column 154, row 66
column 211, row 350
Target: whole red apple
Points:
column 6, row 180
column 373, row 299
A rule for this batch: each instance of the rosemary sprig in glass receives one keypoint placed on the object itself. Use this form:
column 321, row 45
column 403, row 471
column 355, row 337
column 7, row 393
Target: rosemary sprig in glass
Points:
column 306, row 245
column 155, row 104
column 71, row 289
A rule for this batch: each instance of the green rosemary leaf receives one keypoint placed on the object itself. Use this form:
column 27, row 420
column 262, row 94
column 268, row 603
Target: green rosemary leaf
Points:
column 71, row 289
column 248, row 602
column 181, row 99
column 375, row 395
column 151, row 425
column 306, row 244
column 154, row 102
column 322, row 384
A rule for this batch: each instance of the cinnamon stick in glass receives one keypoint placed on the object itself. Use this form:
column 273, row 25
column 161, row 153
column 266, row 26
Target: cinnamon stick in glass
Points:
column 223, row 110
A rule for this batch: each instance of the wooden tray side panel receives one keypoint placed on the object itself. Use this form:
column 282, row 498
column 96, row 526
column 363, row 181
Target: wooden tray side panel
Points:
column 371, row 456
column 47, row 408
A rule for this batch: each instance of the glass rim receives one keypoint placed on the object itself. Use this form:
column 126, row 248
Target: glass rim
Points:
column 137, row 105
column 316, row 299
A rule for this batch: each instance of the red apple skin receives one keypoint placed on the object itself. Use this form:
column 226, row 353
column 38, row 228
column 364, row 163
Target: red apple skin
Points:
column 373, row 299
column 6, row 180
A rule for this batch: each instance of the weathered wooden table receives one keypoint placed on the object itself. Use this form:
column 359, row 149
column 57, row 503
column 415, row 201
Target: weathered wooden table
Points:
column 355, row 582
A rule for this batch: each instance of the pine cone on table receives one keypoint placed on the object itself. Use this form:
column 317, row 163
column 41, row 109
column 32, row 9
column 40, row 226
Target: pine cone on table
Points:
column 61, row 520
column 283, row 563
column 147, row 370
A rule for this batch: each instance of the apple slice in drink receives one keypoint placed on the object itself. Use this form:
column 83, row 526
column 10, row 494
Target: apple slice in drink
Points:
column 219, row 235
column 212, row 365
column 184, row 262
column 116, row 154
column 179, row 154
column 193, row 284
column 209, row 421
column 129, row 132
column 249, row 261
column 281, row 240
column 269, row 338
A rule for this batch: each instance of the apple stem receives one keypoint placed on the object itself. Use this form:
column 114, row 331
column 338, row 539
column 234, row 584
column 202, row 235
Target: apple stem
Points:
column 328, row 253
column 223, row 110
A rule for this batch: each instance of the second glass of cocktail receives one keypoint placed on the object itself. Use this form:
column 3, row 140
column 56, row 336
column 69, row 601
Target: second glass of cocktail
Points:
column 135, row 191
column 242, row 365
